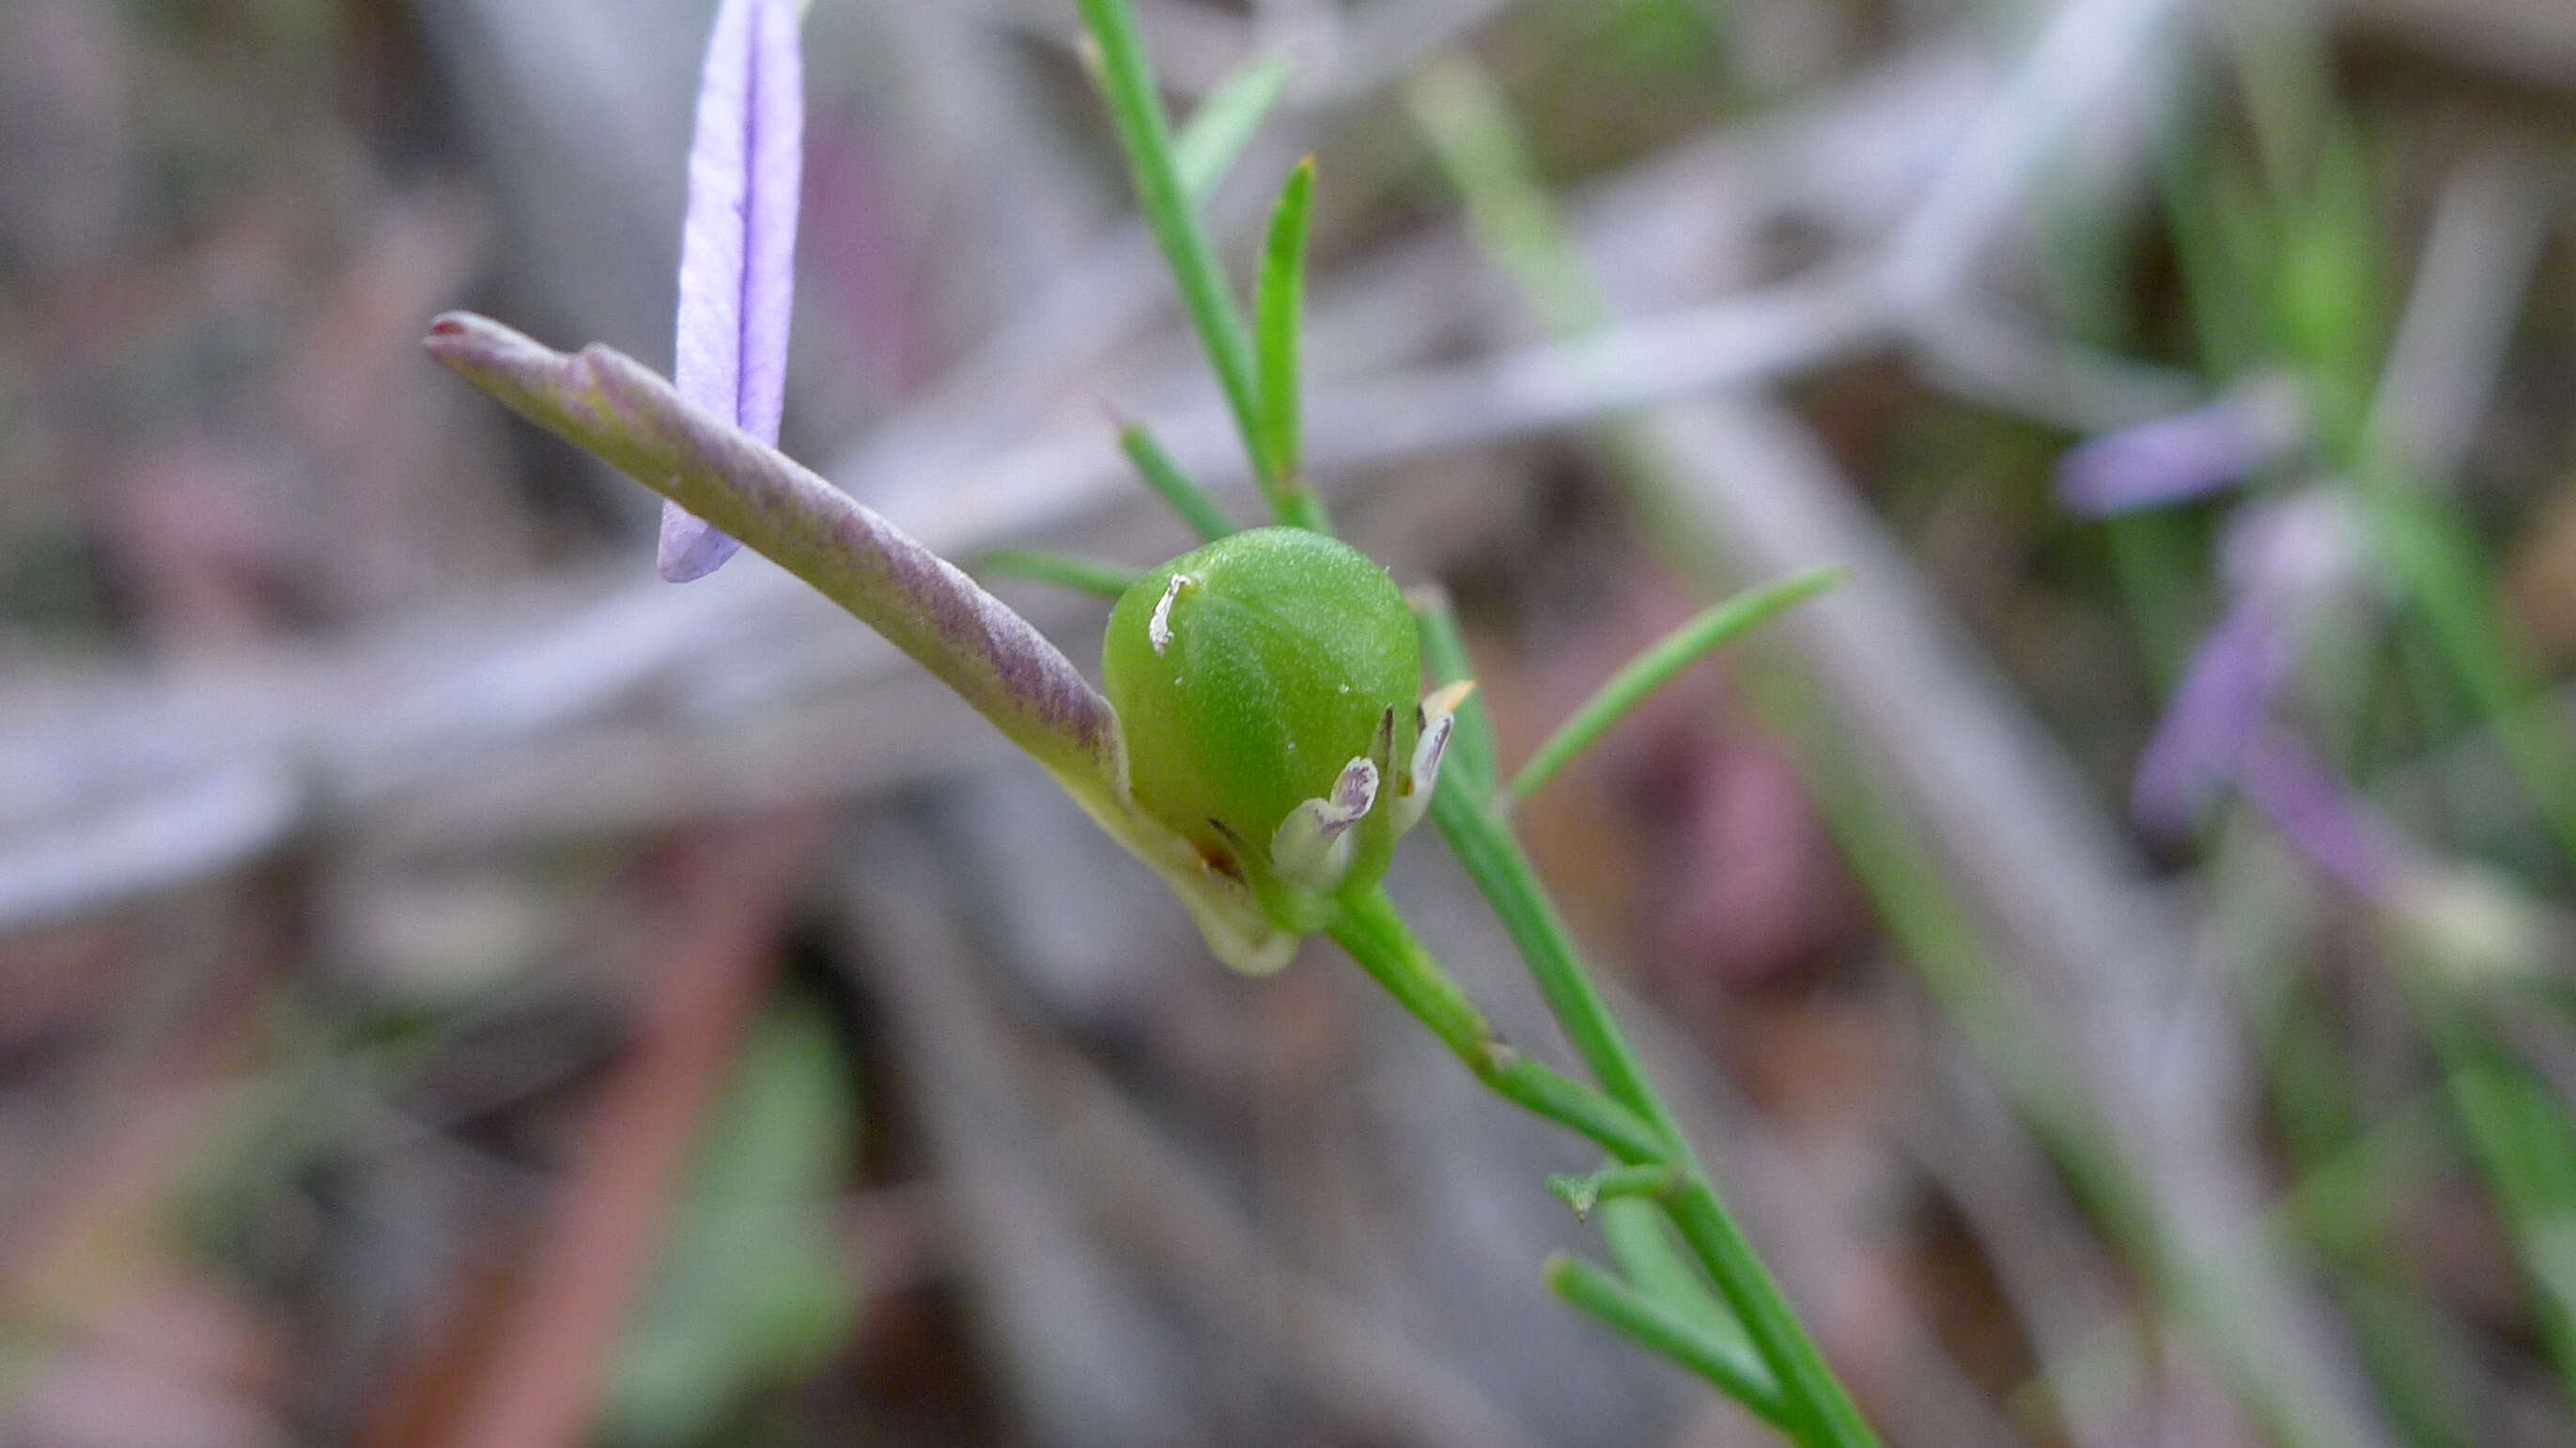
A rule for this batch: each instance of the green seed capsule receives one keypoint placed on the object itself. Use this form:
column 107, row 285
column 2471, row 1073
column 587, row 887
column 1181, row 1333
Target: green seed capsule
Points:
column 1266, row 686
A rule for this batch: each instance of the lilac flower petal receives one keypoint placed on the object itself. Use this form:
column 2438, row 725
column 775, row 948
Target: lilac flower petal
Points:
column 2217, row 708
column 2336, row 831
column 738, row 244
column 2187, row 455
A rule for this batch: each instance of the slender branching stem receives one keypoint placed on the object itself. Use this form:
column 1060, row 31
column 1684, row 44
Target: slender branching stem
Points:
column 1375, row 935
column 1145, row 133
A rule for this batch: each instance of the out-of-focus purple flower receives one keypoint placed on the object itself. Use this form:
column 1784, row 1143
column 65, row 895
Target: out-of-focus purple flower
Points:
column 738, row 245
column 2335, row 830
column 2216, row 710
column 2281, row 561
column 2186, row 455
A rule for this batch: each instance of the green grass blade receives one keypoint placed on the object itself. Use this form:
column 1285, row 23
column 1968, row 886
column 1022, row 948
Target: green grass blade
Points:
column 1096, row 576
column 1172, row 485
column 1278, row 316
column 1145, row 133
column 1467, row 122
column 1218, row 130
column 1731, row 1366
column 1655, row 667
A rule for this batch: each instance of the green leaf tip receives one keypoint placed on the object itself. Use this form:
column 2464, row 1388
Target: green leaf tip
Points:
column 1095, row 576
column 1278, row 322
column 1655, row 667
column 1216, row 133
column 1172, row 485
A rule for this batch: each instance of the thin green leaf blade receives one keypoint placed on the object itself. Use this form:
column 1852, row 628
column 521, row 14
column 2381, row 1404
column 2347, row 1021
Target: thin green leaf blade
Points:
column 1172, row 485
column 1096, row 576
column 1224, row 124
column 1656, row 667
column 1732, row 1367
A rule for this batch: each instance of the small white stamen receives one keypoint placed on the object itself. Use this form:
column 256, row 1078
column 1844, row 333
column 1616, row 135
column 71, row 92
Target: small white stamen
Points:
column 1159, row 627
column 1439, row 722
column 1313, row 846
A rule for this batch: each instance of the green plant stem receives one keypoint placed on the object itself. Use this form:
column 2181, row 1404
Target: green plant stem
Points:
column 1656, row 666
column 1371, row 931
column 1494, row 860
column 1732, row 1367
column 1638, row 1130
column 1473, row 133
column 1095, row 576
column 1823, row 1413
column 1145, row 133
column 1631, row 1122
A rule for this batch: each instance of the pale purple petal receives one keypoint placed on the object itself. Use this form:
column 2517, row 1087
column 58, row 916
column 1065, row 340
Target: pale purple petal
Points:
column 2187, row 455
column 1312, row 847
column 2337, row 832
column 738, row 244
column 2306, row 545
column 2215, row 711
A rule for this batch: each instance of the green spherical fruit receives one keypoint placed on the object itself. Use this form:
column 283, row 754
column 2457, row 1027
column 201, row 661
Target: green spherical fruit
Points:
column 1247, row 676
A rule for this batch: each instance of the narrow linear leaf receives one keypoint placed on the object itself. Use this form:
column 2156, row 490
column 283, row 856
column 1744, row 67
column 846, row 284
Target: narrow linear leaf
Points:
column 608, row 403
column 1096, row 576
column 1172, row 485
column 1145, row 133
column 1278, row 317
column 1731, row 1367
column 1651, row 1261
column 1655, row 667
column 1223, row 125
